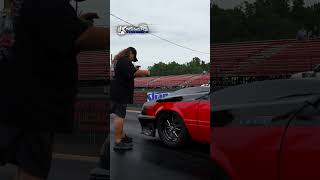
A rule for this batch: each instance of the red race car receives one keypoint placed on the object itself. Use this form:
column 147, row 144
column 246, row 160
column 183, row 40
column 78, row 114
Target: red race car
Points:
column 178, row 117
column 267, row 130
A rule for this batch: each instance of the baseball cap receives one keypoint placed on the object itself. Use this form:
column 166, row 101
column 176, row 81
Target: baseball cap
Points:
column 134, row 52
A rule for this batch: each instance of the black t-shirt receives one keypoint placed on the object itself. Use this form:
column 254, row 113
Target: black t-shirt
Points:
column 122, row 86
column 41, row 71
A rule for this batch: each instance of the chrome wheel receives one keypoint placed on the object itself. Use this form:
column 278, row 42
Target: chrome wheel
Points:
column 171, row 129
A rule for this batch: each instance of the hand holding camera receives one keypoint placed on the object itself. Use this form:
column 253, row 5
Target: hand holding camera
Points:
column 137, row 67
column 89, row 17
column 142, row 73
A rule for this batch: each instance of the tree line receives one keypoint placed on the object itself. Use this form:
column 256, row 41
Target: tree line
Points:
column 195, row 66
column 262, row 20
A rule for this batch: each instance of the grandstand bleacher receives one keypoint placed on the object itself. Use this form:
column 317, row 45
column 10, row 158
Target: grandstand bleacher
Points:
column 266, row 58
column 94, row 65
column 91, row 105
column 172, row 81
column 91, row 115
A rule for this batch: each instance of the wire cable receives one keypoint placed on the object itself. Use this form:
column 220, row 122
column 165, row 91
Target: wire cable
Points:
column 171, row 42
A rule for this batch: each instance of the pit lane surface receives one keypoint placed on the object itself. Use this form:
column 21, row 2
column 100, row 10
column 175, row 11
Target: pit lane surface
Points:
column 150, row 159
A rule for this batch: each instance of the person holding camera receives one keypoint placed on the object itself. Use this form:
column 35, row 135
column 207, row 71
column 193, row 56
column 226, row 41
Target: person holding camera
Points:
column 121, row 92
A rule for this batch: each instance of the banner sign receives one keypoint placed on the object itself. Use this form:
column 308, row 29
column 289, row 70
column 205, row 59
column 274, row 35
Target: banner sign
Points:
column 152, row 96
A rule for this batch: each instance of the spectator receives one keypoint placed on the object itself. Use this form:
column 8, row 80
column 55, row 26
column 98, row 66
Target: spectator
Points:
column 310, row 34
column 302, row 34
column 121, row 91
column 315, row 32
column 38, row 72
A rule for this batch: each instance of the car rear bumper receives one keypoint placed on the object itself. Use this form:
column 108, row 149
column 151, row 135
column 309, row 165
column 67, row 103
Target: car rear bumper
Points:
column 147, row 125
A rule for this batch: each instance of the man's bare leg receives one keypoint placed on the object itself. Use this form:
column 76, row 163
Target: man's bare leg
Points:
column 122, row 133
column 118, row 126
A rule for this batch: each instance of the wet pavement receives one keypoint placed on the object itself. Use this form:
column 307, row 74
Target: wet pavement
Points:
column 150, row 159
column 76, row 155
column 63, row 168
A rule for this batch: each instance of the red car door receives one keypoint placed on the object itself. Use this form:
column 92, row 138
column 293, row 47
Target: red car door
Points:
column 187, row 111
column 203, row 116
column 300, row 156
column 247, row 138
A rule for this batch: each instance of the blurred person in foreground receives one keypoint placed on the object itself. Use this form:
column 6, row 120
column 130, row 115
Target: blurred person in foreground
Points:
column 39, row 42
column 121, row 92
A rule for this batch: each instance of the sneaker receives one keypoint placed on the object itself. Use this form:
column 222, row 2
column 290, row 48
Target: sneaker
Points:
column 127, row 139
column 122, row 146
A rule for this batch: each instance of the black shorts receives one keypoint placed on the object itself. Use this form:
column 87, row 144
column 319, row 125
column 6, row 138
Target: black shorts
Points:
column 118, row 109
column 30, row 151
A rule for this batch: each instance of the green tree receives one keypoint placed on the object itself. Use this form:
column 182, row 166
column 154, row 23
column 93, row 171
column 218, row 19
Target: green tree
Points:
column 262, row 20
column 195, row 66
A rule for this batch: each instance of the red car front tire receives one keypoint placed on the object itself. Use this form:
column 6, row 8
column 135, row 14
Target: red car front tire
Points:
column 172, row 130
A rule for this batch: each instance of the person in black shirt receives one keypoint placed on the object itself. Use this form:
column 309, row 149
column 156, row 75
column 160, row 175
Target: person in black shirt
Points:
column 39, row 42
column 121, row 92
column 315, row 32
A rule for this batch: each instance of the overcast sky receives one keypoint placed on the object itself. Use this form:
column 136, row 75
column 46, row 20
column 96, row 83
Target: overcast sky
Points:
column 232, row 3
column 185, row 22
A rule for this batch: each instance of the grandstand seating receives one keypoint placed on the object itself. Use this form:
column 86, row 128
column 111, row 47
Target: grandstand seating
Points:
column 266, row 58
column 199, row 80
column 94, row 65
column 93, row 73
column 297, row 57
column 139, row 97
column 226, row 56
column 144, row 82
column 90, row 115
column 172, row 81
